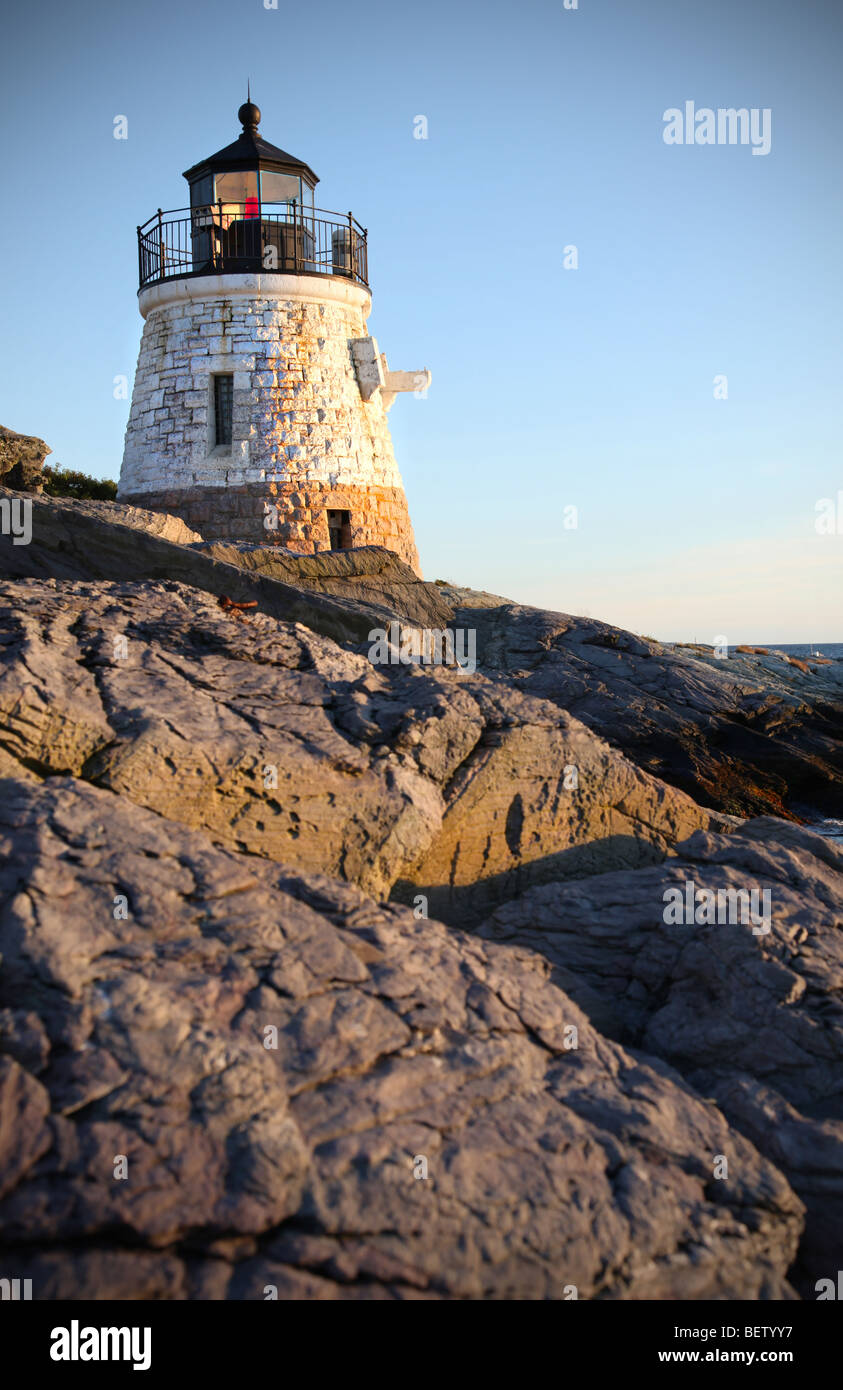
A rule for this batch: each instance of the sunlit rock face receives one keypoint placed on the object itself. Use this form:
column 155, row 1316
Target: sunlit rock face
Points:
column 329, row 975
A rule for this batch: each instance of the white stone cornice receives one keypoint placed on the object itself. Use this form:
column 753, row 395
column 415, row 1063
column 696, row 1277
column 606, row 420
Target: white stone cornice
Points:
column 307, row 289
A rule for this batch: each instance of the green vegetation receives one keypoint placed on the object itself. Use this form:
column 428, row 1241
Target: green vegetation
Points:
column 64, row 482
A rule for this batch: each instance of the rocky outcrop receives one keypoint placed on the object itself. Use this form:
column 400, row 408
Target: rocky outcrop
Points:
column 220, row 1078
column 748, row 736
column 168, row 528
column 21, row 460
column 88, row 540
column 752, row 1017
column 368, row 574
column 751, row 735
column 78, row 540
column 223, row 815
column 278, row 742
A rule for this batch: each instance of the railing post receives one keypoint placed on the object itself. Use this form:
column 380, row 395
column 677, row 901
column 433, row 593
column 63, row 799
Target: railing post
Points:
column 351, row 246
column 161, row 258
column 140, row 261
column 295, row 236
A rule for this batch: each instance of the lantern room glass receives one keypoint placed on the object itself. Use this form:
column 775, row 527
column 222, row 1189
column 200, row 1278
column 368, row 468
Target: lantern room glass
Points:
column 237, row 193
column 279, row 188
column 240, row 190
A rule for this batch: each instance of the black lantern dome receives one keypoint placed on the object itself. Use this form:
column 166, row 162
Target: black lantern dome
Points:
column 251, row 168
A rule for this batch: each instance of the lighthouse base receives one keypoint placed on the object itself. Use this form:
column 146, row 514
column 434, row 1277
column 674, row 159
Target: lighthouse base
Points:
column 305, row 517
column 249, row 419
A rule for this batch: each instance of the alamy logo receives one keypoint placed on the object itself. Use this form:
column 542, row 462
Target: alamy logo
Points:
column 16, row 519
column 11, row 1289
column 426, row 646
column 77, row 1343
column 725, row 126
column 707, row 907
column 829, row 519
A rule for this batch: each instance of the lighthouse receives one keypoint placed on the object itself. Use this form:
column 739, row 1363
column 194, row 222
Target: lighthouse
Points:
column 259, row 409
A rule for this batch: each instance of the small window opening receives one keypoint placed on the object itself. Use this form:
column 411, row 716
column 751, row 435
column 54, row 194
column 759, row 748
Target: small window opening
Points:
column 223, row 403
column 339, row 529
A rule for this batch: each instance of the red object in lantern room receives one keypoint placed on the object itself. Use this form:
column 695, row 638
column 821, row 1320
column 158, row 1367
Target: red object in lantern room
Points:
column 252, row 207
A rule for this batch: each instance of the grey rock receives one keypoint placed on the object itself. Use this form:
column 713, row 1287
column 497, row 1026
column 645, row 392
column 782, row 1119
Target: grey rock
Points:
column 169, row 528
column 21, row 460
column 278, row 742
column 753, row 1019
column 370, row 574
column 83, row 540
column 141, row 710
column 293, row 1166
column 751, row 735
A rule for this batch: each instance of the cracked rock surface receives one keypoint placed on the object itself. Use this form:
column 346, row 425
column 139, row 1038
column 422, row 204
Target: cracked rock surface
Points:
column 752, row 1018
column 278, row 742
column 751, row 735
column 281, row 928
column 141, row 1032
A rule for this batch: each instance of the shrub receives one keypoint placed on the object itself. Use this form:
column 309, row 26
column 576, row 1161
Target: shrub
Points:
column 65, row 482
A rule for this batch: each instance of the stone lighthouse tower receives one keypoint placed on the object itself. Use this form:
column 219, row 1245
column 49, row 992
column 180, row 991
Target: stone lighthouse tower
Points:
column 259, row 410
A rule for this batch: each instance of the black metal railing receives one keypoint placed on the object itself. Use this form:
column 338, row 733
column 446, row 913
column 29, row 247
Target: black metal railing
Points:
column 238, row 238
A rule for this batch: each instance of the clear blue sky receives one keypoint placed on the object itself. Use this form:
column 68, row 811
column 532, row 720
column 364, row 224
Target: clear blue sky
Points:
column 590, row 388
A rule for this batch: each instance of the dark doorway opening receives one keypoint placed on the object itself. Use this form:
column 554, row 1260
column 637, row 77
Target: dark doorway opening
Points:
column 339, row 529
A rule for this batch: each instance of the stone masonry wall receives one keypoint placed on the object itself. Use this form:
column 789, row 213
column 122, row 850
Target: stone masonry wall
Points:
column 303, row 438
column 294, row 515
